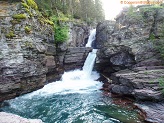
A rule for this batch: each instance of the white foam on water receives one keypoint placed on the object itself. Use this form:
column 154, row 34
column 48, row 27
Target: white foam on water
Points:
column 76, row 81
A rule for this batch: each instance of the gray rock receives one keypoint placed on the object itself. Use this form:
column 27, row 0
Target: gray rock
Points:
column 12, row 118
column 29, row 60
column 128, row 38
column 78, row 35
column 142, row 84
column 75, row 57
column 154, row 111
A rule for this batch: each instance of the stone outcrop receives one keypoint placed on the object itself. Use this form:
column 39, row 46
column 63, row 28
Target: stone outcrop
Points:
column 141, row 84
column 12, row 118
column 28, row 55
column 75, row 57
column 126, row 44
column 129, row 59
column 23, row 61
column 127, row 41
column 78, row 35
column 154, row 111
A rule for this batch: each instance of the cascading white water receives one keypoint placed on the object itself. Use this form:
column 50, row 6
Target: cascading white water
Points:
column 76, row 98
column 77, row 81
column 91, row 38
column 89, row 62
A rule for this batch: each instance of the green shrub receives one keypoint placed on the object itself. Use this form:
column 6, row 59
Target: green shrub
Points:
column 61, row 34
column 151, row 37
column 19, row 16
column 10, row 34
column 27, row 29
column 61, row 18
column 150, row 8
column 28, row 11
column 49, row 22
column 161, row 84
column 159, row 43
column 32, row 4
column 133, row 13
column 159, row 46
column 25, row 5
column 43, row 21
column 28, row 44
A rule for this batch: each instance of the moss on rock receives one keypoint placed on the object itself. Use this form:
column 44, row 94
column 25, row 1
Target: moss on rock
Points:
column 19, row 16
column 10, row 34
column 27, row 29
column 32, row 4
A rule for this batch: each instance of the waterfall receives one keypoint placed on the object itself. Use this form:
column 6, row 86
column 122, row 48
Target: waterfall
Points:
column 76, row 81
column 89, row 62
column 91, row 38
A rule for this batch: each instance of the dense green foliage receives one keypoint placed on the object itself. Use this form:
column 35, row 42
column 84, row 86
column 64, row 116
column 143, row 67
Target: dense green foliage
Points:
column 27, row 29
column 161, row 84
column 61, row 11
column 32, row 4
column 58, row 12
column 10, row 34
column 19, row 16
column 133, row 13
column 158, row 43
column 61, row 34
column 87, row 10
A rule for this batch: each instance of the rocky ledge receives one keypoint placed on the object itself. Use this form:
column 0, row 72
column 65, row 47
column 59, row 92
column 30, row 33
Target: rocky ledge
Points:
column 141, row 84
column 154, row 112
column 129, row 58
column 29, row 58
column 144, row 84
column 12, row 118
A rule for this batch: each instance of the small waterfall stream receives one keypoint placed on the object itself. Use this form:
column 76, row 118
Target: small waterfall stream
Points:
column 76, row 98
column 91, row 38
column 89, row 62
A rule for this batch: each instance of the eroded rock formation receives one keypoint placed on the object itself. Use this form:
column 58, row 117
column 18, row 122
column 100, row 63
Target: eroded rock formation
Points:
column 126, row 44
column 128, row 57
column 28, row 55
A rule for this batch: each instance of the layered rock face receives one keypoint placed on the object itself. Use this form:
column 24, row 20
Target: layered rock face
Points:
column 78, row 35
column 128, row 57
column 126, row 44
column 28, row 55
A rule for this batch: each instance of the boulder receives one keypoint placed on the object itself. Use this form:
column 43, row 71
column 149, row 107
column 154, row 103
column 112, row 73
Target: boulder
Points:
column 154, row 111
column 12, row 118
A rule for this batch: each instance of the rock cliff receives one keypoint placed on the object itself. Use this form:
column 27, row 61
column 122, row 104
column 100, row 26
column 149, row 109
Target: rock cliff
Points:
column 126, row 44
column 129, row 57
column 28, row 55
